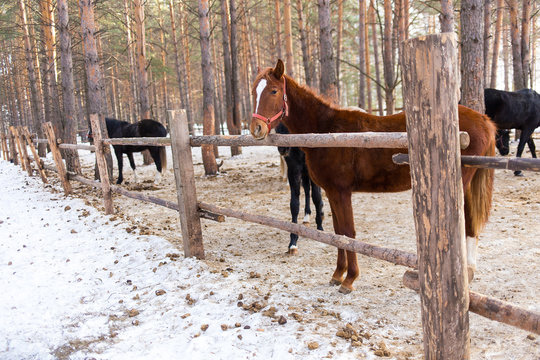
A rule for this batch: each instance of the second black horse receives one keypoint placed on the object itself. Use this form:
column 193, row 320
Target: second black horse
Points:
column 143, row 128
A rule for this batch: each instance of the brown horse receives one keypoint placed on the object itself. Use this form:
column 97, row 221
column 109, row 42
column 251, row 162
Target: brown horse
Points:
column 341, row 171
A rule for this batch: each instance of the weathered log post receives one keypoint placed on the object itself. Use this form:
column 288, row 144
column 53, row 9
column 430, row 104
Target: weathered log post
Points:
column 431, row 92
column 185, row 185
column 53, row 145
column 5, row 152
column 30, row 143
column 24, row 152
column 102, row 163
column 13, row 155
column 17, row 147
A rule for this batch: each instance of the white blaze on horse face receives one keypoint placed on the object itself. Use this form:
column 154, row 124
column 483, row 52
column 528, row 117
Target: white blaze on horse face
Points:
column 260, row 88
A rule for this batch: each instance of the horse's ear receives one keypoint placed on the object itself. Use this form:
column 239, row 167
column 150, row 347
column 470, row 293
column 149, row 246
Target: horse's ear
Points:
column 279, row 69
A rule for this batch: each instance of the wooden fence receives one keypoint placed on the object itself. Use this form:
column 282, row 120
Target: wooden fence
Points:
column 444, row 309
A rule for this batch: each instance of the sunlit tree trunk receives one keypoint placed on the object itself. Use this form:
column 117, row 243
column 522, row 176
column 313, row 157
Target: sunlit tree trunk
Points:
column 376, row 63
column 525, row 41
column 362, row 53
column 134, row 114
column 304, row 44
column 279, row 53
column 94, row 77
column 388, row 61
column 237, row 123
column 37, row 114
column 209, row 160
column 517, row 60
column 339, row 41
column 289, row 59
column 68, row 88
column 496, row 44
column 447, row 16
column 328, row 84
column 472, row 55
column 227, row 72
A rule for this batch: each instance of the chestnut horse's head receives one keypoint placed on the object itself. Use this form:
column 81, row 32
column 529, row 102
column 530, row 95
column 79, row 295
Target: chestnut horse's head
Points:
column 270, row 99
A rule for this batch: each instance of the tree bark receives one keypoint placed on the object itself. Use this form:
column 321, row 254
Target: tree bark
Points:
column 447, row 16
column 525, row 41
column 93, row 75
column 36, row 102
column 328, row 84
column 496, row 44
column 517, row 61
column 289, row 59
column 279, row 53
column 235, row 86
column 134, row 113
column 472, row 55
column 68, row 88
column 209, row 160
column 376, row 57
column 304, row 44
column 141, row 60
column 362, row 76
column 388, row 61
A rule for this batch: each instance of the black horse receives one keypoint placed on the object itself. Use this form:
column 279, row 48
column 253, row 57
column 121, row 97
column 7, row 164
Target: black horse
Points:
column 514, row 110
column 297, row 173
column 143, row 128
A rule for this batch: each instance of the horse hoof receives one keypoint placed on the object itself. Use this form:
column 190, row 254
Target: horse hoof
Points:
column 293, row 251
column 345, row 290
column 334, row 282
column 518, row 173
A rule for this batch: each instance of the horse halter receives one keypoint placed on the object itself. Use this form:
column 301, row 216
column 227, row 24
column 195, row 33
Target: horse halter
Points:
column 282, row 113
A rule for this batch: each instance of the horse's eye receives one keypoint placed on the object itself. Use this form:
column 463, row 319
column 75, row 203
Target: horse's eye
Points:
column 273, row 92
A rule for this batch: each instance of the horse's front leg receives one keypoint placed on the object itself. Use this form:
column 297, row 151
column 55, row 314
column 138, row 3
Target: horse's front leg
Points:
column 133, row 167
column 316, row 196
column 523, row 139
column 119, row 160
column 532, row 147
column 294, row 185
column 342, row 215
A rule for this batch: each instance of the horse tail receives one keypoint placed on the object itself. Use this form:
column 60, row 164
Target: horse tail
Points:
column 478, row 196
column 163, row 157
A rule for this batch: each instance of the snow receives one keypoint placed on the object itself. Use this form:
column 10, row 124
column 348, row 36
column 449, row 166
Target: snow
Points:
column 73, row 280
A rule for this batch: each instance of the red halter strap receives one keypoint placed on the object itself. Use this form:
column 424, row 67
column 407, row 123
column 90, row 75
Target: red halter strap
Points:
column 283, row 112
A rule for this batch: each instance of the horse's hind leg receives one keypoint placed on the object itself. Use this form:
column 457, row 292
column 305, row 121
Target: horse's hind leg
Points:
column 342, row 216
column 133, row 167
column 154, row 152
column 316, row 196
column 306, row 182
column 532, row 147
column 294, row 185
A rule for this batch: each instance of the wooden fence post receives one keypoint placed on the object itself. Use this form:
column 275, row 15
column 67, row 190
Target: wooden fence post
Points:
column 185, row 185
column 5, row 153
column 17, row 147
column 62, row 173
column 102, row 163
column 28, row 137
column 13, row 155
column 431, row 92
column 24, row 152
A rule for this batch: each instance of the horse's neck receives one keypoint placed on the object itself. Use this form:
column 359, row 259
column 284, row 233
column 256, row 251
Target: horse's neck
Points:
column 307, row 113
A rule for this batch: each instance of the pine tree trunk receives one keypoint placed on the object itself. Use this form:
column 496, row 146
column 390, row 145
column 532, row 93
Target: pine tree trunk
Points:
column 328, row 84
column 68, row 88
column 496, row 44
column 279, row 53
column 388, row 64
column 209, row 160
column 487, row 36
column 289, row 59
column 36, row 102
column 447, row 16
column 163, row 87
column 237, row 123
column 376, row 57
column 362, row 53
column 525, row 41
column 304, row 44
column 517, row 62
column 472, row 68
column 134, row 113
column 93, row 74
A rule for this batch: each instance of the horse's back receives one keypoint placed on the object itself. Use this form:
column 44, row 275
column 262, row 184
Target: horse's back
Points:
column 513, row 110
column 151, row 128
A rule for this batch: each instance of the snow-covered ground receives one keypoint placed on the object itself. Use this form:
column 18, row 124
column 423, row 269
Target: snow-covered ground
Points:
column 76, row 284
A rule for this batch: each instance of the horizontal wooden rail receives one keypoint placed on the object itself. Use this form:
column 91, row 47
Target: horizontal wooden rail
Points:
column 391, row 140
column 393, row 256
column 77, row 147
column 486, row 162
column 140, row 141
column 41, row 141
column 490, row 308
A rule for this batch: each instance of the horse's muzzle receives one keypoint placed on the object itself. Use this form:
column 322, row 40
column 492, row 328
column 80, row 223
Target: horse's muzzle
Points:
column 258, row 129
